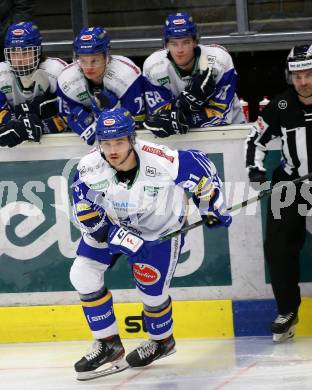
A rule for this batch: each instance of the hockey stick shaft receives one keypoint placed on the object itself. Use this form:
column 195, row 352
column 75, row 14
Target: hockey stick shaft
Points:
column 238, row 206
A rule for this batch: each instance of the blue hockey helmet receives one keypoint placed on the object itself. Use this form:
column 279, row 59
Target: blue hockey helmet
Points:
column 115, row 123
column 180, row 25
column 23, row 34
column 91, row 40
column 22, row 48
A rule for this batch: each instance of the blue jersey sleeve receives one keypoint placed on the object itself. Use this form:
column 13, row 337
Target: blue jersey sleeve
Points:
column 156, row 96
column 89, row 216
column 5, row 109
column 133, row 100
column 218, row 106
column 198, row 175
column 79, row 118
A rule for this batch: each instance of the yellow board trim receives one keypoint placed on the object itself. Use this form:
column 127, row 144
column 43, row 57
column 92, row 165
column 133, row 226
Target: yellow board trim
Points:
column 192, row 319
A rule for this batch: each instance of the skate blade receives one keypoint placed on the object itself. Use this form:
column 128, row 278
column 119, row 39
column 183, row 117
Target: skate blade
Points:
column 117, row 366
column 281, row 337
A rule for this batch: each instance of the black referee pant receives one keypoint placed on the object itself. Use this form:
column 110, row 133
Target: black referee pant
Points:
column 284, row 240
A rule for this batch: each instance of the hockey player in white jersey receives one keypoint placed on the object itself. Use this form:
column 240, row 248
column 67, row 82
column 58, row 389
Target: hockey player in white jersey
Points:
column 128, row 193
column 28, row 102
column 189, row 85
column 97, row 80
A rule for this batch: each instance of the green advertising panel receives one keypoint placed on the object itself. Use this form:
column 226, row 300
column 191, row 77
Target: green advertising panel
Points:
column 38, row 240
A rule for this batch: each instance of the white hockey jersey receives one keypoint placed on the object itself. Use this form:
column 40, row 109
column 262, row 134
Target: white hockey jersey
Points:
column 122, row 77
column 156, row 203
column 166, row 84
column 12, row 92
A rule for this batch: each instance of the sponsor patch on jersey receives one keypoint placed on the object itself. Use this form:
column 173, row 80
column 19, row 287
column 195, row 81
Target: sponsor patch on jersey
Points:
column 152, row 190
column 101, row 185
column 164, row 80
column 18, row 32
column 86, row 37
column 211, row 59
column 158, row 152
column 83, row 207
column 83, row 96
column 282, row 104
column 150, row 171
column 109, row 122
column 145, row 273
column 6, row 89
column 178, row 22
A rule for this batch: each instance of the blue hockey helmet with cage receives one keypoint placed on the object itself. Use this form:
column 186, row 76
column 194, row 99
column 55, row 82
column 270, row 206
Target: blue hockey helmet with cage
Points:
column 115, row 123
column 22, row 48
column 179, row 25
column 23, row 34
column 91, row 40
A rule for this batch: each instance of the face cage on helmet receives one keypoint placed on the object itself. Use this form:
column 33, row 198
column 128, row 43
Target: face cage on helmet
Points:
column 23, row 60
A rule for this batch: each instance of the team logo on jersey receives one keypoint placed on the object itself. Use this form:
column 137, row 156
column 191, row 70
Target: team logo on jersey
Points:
column 18, row 31
column 145, row 274
column 109, row 122
column 282, row 104
column 86, row 37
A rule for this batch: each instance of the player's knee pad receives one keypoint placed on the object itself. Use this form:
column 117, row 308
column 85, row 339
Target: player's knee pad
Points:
column 87, row 276
column 158, row 320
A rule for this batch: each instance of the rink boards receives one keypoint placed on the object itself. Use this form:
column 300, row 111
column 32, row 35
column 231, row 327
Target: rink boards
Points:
column 192, row 319
column 220, row 285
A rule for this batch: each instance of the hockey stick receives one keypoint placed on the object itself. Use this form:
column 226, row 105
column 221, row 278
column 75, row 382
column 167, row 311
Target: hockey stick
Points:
column 237, row 206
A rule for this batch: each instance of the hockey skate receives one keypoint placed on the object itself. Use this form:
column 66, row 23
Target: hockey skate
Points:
column 149, row 351
column 283, row 327
column 105, row 353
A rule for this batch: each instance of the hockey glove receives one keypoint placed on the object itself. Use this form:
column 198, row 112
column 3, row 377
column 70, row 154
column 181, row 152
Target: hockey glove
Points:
column 199, row 91
column 103, row 99
column 217, row 215
column 256, row 178
column 23, row 129
column 121, row 240
column 82, row 122
column 165, row 123
column 44, row 106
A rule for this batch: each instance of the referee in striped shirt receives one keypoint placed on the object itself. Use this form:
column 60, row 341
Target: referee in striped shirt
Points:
column 289, row 117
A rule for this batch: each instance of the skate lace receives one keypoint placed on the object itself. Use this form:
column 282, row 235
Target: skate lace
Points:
column 94, row 351
column 147, row 348
column 283, row 318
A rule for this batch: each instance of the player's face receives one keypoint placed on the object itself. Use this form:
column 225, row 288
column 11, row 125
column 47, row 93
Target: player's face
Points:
column 116, row 151
column 93, row 66
column 302, row 81
column 182, row 51
column 21, row 57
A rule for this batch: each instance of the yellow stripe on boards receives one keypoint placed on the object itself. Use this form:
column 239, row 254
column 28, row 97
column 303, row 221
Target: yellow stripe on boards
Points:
column 59, row 323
